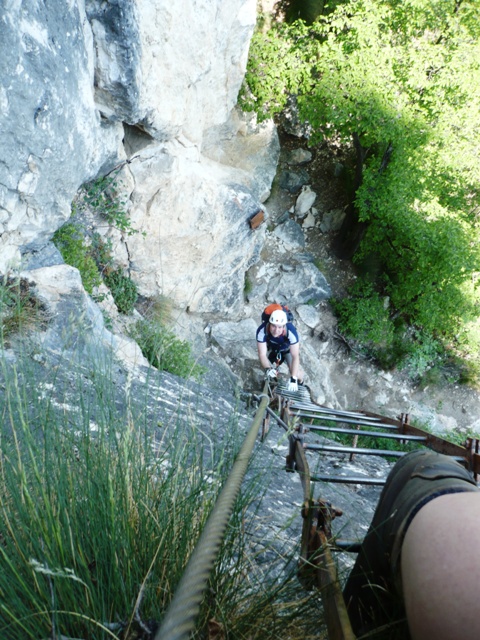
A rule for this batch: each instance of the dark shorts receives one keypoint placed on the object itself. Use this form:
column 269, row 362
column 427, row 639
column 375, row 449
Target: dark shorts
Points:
column 277, row 357
column 373, row 592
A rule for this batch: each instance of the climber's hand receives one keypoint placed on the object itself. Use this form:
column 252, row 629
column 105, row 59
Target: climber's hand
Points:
column 271, row 373
column 292, row 385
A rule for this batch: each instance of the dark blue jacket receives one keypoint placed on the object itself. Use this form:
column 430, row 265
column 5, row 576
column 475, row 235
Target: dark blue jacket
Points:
column 283, row 342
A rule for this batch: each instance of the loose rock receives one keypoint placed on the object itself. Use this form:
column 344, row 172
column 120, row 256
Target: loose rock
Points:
column 305, row 200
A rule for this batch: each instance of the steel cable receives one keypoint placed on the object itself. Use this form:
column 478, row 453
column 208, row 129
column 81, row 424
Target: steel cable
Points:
column 179, row 620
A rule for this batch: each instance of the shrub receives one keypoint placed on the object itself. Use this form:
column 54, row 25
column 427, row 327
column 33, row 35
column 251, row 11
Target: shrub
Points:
column 364, row 316
column 164, row 350
column 102, row 197
column 123, row 289
column 247, row 286
column 102, row 251
column 94, row 260
column 423, row 352
column 468, row 372
column 159, row 309
column 70, row 241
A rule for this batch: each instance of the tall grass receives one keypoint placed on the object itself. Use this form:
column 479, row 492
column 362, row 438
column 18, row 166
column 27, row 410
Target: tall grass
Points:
column 100, row 508
column 19, row 309
column 92, row 518
column 99, row 512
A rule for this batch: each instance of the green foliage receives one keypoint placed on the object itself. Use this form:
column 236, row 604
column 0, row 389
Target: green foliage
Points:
column 160, row 310
column 306, row 10
column 466, row 371
column 11, row 310
column 401, row 81
column 364, row 316
column 274, row 71
column 377, row 443
column 102, row 251
column 123, row 290
column 421, row 353
column 365, row 441
column 247, row 286
column 102, row 196
column 95, row 263
column 20, row 310
column 460, row 436
column 70, row 241
column 164, row 350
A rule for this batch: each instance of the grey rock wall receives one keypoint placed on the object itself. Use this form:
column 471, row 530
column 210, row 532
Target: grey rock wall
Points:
column 174, row 68
column 89, row 86
column 52, row 137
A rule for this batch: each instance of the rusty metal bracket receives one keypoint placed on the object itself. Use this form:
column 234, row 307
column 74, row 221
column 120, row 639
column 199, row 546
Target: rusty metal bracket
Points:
column 336, row 615
column 317, row 567
column 257, row 219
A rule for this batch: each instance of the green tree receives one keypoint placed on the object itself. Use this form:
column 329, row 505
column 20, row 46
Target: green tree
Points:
column 398, row 83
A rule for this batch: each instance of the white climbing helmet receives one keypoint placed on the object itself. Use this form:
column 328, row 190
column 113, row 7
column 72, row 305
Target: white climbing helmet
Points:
column 278, row 318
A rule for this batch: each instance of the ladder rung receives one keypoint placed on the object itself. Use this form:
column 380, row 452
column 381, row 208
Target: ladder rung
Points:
column 359, row 432
column 366, row 422
column 359, row 450
column 348, row 480
column 346, row 545
column 333, row 412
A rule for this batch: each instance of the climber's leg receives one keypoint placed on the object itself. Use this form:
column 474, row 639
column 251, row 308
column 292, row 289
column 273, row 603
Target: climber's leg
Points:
column 440, row 568
column 373, row 592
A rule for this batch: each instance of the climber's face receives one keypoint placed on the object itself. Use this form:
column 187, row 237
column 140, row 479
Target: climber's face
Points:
column 276, row 330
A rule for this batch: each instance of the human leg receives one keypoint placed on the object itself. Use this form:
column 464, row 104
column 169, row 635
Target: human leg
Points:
column 373, row 592
column 287, row 357
column 440, row 568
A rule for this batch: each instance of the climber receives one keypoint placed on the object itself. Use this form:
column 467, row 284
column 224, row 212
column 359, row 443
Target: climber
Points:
column 277, row 342
column 419, row 564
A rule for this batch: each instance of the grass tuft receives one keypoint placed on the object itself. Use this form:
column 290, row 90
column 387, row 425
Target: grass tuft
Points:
column 100, row 512
column 20, row 309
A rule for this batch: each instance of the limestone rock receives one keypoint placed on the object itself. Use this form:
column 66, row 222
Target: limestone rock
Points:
column 47, row 256
column 298, row 156
column 305, row 200
column 68, row 91
column 148, row 73
column 75, row 321
column 197, row 242
column 309, row 221
column 51, row 135
column 293, row 181
column 237, row 337
column 305, row 284
column 252, row 149
column 309, row 315
column 291, row 122
column 291, row 234
column 332, row 220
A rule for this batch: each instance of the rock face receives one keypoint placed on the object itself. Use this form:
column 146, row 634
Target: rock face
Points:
column 173, row 68
column 75, row 323
column 87, row 87
column 52, row 136
column 67, row 373
column 194, row 214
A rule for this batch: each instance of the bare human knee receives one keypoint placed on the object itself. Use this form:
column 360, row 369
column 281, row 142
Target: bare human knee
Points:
column 440, row 566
